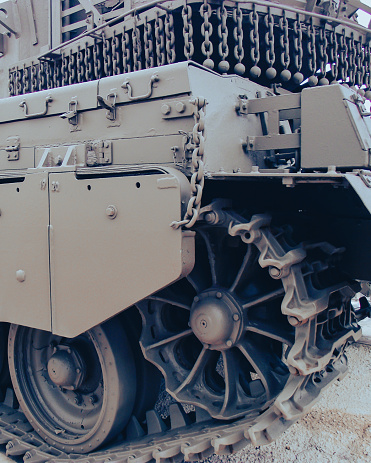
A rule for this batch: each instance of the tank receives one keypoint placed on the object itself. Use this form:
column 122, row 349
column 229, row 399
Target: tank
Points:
column 185, row 198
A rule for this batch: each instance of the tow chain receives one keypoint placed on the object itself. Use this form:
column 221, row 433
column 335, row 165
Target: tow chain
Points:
column 198, row 175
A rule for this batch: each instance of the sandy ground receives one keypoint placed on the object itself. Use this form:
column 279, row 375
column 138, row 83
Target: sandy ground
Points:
column 338, row 429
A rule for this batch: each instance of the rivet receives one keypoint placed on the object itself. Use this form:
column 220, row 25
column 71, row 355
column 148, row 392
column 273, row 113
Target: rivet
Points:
column 20, row 275
column 111, row 212
column 293, row 321
column 78, row 370
column 180, row 107
column 196, row 299
column 275, row 272
column 219, row 295
column 229, row 343
column 165, row 109
column 236, row 317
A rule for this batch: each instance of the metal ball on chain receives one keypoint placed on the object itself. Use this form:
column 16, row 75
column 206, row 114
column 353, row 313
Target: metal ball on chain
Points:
column 285, row 75
column 368, row 95
column 208, row 63
column 239, row 69
column 255, row 72
column 298, row 78
column 223, row 66
column 312, row 81
column 271, row 73
column 323, row 81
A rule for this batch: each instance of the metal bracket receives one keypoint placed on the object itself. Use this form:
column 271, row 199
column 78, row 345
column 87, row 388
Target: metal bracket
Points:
column 98, row 152
column 110, row 104
column 242, row 105
column 23, row 104
column 71, row 115
column 12, row 148
column 126, row 85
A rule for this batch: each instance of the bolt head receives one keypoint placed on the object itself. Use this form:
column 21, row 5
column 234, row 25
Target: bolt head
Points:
column 20, row 275
column 219, row 295
column 180, row 107
column 236, row 317
column 229, row 343
column 274, row 272
column 111, row 212
column 165, row 109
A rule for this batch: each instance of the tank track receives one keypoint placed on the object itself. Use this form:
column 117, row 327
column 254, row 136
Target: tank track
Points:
column 180, row 439
column 315, row 361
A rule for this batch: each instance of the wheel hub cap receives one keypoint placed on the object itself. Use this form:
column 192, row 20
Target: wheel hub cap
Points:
column 65, row 368
column 216, row 319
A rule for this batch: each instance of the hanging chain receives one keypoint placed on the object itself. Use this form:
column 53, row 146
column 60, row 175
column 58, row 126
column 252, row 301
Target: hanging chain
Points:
column 239, row 52
column 223, row 49
column 197, row 179
column 285, row 47
column 42, row 79
column 125, row 47
column 18, row 81
column 34, row 84
column 170, row 37
column 367, row 66
column 206, row 31
column 334, row 58
column 312, row 62
column 255, row 71
column 115, row 55
column 160, row 40
column 148, row 45
column 71, row 69
column 79, row 65
column 188, row 32
column 322, row 52
column 270, row 55
column 88, row 63
column 360, row 54
column 298, row 50
column 107, row 56
column 25, row 80
column 97, row 61
column 343, row 52
column 352, row 69
column 137, row 48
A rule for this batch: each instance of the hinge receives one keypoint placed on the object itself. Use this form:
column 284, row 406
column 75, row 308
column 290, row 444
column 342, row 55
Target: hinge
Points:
column 98, row 153
column 12, row 148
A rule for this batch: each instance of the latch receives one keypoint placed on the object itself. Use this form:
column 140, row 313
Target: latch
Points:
column 360, row 103
column 110, row 104
column 98, row 153
column 12, row 148
column 242, row 105
column 71, row 115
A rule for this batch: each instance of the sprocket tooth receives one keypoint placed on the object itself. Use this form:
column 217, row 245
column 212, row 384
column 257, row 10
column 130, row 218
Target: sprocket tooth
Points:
column 198, row 451
column 6, row 434
column 155, row 424
column 134, row 430
column 230, row 444
column 202, row 415
column 171, row 455
column 178, row 417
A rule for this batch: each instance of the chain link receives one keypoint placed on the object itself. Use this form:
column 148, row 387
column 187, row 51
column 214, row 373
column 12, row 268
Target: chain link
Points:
column 34, row 84
column 115, row 55
column 71, row 69
column 206, row 31
column 298, row 50
column 352, row 69
column 170, row 37
column 322, row 53
column 367, row 66
column 137, row 47
column 285, row 47
column 187, row 32
column 343, row 53
column 198, row 178
column 239, row 52
column 270, row 55
column 125, row 47
column 88, row 63
column 97, row 61
column 255, row 71
column 148, row 45
column 223, row 48
column 334, row 58
column 107, row 56
column 79, row 66
column 25, row 80
column 312, row 61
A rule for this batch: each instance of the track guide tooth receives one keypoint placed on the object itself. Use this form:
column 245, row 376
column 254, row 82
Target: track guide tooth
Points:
column 134, row 429
column 34, row 456
column 16, row 447
column 147, row 458
column 178, row 417
column 155, row 424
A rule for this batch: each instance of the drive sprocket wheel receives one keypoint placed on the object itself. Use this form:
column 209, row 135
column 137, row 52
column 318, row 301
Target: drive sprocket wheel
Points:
column 77, row 393
column 231, row 335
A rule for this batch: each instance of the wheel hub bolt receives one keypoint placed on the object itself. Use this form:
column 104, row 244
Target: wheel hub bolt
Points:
column 236, row 317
